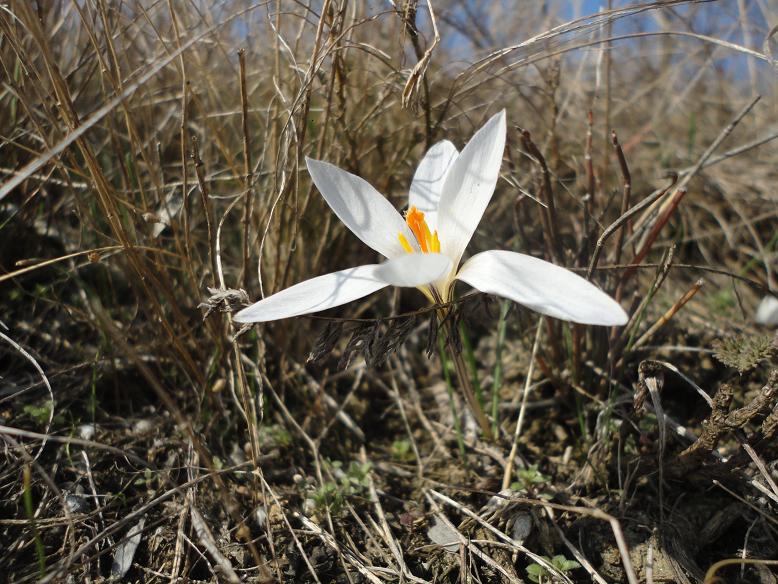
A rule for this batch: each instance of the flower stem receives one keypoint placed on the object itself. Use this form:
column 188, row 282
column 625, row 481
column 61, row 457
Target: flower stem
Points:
column 464, row 380
column 502, row 327
column 450, row 389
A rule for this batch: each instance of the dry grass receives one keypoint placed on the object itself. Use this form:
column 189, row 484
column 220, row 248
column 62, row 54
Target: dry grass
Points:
column 152, row 151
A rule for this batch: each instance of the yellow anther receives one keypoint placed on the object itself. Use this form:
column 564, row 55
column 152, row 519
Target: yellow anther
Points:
column 404, row 242
column 426, row 233
column 435, row 247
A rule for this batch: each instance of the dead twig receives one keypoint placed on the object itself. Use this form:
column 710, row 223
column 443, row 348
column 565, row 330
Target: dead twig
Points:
column 665, row 318
column 205, row 536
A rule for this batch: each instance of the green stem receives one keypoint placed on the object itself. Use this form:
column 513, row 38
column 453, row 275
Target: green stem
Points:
column 464, row 380
column 30, row 512
column 450, row 390
column 502, row 327
column 469, row 355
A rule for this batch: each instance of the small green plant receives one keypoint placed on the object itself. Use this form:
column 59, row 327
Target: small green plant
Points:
column 332, row 495
column 402, row 451
column 539, row 574
column 722, row 301
column 275, row 435
column 530, row 479
column 40, row 413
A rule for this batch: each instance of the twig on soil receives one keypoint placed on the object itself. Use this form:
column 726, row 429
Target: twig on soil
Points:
column 762, row 468
column 298, row 544
column 345, row 553
column 7, row 430
column 64, row 563
column 508, row 474
column 55, row 489
column 183, row 422
column 710, row 575
column 578, row 555
column 385, row 531
column 503, row 536
column 746, row 502
column 466, row 543
column 178, row 550
column 618, row 534
column 206, row 538
column 95, row 497
column 395, row 393
column 44, row 436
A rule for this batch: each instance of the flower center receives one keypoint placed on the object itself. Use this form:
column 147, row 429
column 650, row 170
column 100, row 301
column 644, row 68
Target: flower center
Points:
column 428, row 242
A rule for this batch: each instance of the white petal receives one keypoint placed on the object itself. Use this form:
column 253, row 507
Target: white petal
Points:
column 541, row 286
column 414, row 269
column 427, row 184
column 362, row 209
column 469, row 186
column 767, row 312
column 315, row 294
column 330, row 290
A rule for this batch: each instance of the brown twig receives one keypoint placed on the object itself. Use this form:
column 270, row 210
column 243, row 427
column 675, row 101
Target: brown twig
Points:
column 626, row 192
column 591, row 188
column 546, row 194
column 207, row 208
column 653, row 234
column 623, row 219
column 665, row 318
column 247, row 172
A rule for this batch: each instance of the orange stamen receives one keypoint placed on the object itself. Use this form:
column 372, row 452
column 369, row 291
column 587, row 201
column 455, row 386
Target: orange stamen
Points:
column 428, row 242
column 415, row 220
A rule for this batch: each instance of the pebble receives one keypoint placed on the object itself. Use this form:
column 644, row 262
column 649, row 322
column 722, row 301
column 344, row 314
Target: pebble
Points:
column 87, row 431
column 142, row 427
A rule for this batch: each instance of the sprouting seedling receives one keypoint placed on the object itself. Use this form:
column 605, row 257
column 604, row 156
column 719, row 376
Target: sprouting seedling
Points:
column 530, row 479
column 539, row 574
column 448, row 196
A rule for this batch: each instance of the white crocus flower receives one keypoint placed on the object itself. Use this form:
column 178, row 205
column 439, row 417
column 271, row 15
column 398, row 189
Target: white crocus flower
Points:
column 448, row 197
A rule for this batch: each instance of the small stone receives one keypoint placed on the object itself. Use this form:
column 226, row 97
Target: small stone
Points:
column 237, row 456
column 86, row 431
column 522, row 527
column 75, row 503
column 443, row 535
column 142, row 427
column 767, row 312
column 260, row 516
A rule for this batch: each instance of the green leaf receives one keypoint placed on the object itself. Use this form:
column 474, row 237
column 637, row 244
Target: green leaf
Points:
column 535, row 572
